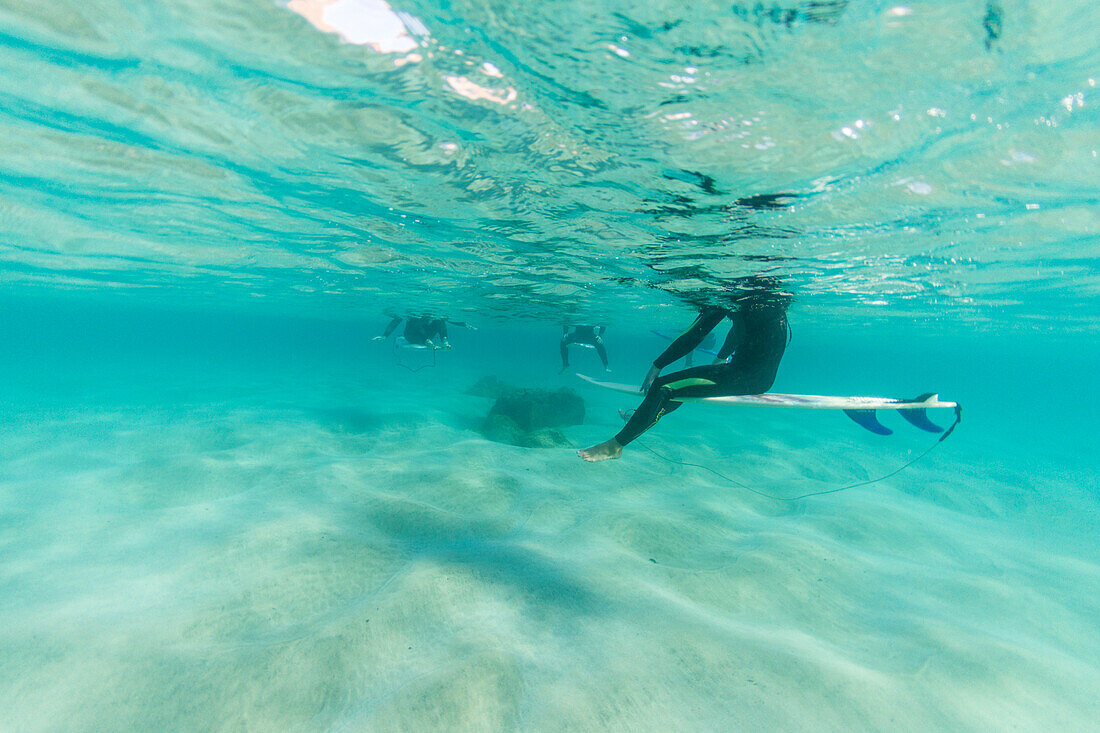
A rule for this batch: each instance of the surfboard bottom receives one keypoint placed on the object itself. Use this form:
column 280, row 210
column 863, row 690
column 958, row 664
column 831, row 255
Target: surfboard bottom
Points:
column 795, row 401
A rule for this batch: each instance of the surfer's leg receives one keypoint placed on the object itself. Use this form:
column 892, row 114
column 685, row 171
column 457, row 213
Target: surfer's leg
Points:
column 598, row 343
column 659, row 401
column 728, row 384
column 661, row 398
column 655, row 404
column 700, row 381
column 564, row 347
column 437, row 329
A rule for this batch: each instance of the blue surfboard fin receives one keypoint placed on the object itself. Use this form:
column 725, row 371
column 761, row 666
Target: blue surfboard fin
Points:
column 866, row 419
column 919, row 418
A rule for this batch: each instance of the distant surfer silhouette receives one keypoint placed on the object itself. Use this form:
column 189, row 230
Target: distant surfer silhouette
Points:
column 423, row 331
column 583, row 336
column 754, row 346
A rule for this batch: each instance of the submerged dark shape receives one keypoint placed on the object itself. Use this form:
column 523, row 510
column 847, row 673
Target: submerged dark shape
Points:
column 635, row 28
column 992, row 23
column 695, row 178
column 529, row 417
column 533, row 409
column 815, row 11
column 767, row 201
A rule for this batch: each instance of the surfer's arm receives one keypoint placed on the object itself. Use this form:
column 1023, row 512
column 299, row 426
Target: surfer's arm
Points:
column 691, row 338
column 391, row 327
column 733, row 338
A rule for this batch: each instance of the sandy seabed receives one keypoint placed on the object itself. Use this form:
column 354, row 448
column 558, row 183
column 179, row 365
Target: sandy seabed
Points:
column 289, row 567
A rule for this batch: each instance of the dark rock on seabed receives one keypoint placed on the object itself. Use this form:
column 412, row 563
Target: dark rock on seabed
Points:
column 529, row 418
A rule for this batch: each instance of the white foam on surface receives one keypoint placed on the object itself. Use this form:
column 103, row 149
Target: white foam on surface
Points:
column 362, row 22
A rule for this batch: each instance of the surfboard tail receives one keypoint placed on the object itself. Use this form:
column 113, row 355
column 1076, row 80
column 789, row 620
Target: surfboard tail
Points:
column 915, row 416
column 918, row 418
column 861, row 410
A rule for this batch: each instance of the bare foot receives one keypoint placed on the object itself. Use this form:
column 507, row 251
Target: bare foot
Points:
column 602, row 452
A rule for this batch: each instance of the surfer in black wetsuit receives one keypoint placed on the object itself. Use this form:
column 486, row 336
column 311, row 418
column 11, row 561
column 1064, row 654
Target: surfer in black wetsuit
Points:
column 423, row 331
column 583, row 335
column 757, row 339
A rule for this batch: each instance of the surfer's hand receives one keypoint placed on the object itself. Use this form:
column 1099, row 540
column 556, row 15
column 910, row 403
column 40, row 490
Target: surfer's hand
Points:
column 654, row 372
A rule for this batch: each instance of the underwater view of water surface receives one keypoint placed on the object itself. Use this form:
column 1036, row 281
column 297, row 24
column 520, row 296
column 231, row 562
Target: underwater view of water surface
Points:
column 294, row 302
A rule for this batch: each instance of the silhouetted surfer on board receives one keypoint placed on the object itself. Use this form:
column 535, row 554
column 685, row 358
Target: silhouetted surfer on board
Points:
column 591, row 336
column 757, row 310
column 422, row 331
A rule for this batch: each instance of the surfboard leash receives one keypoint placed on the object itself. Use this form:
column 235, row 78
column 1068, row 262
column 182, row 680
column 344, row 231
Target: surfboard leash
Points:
column 398, row 362
column 868, row 482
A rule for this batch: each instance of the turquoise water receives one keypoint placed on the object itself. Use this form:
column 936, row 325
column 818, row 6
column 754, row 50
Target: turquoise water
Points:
column 223, row 506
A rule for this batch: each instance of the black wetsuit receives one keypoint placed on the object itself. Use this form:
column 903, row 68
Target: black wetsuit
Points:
column 757, row 340
column 589, row 335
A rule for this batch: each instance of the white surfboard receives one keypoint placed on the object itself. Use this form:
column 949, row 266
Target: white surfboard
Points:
column 403, row 343
column 860, row 409
column 804, row 401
